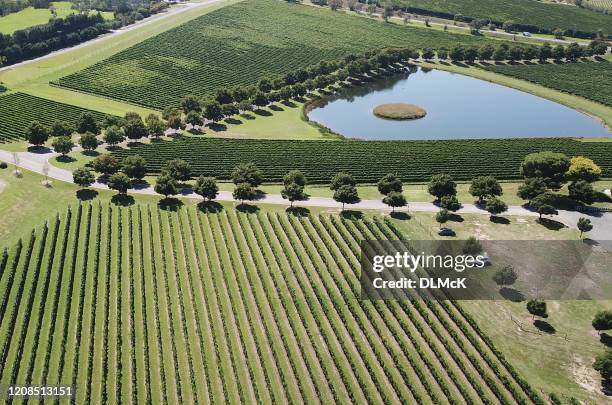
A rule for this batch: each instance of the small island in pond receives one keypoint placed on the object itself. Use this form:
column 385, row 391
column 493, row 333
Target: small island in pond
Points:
column 399, row 111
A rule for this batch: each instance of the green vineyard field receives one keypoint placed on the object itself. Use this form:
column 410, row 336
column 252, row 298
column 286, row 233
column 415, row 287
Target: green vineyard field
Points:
column 140, row 305
column 367, row 161
column 528, row 12
column 587, row 79
column 19, row 109
column 238, row 45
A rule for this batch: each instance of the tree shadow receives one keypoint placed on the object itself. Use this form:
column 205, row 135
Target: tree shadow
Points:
column 288, row 103
column 544, row 326
column 170, row 204
column 298, row 211
column 499, row 220
column 511, row 294
column 247, row 208
column 134, row 144
column 211, row 207
column 275, row 107
column 606, row 339
column 551, row 224
column 402, row 216
column 455, row 218
column 64, row 159
column 39, row 149
column 233, row 121
column 351, row 214
column 112, row 148
column 217, row 127
column 94, row 153
column 123, row 200
column 86, row 194
column 263, row 113
column 247, row 116
column 140, row 184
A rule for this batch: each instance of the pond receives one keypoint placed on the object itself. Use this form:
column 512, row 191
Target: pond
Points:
column 457, row 106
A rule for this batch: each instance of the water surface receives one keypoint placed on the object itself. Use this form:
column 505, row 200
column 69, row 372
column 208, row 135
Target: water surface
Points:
column 457, row 107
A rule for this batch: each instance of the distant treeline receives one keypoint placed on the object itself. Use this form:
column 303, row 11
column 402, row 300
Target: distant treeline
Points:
column 12, row 6
column 60, row 33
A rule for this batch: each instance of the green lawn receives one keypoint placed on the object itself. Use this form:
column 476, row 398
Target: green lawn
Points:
column 31, row 16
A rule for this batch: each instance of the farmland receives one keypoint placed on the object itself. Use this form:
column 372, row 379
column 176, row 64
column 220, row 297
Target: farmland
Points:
column 261, row 291
column 527, row 12
column 585, row 79
column 367, row 161
column 19, row 109
column 237, row 45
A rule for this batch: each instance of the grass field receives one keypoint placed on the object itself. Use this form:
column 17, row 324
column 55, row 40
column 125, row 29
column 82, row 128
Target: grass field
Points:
column 368, row 161
column 141, row 292
column 530, row 12
column 237, row 46
column 582, row 79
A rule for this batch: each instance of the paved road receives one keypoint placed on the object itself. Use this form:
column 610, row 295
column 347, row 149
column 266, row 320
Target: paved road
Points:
column 172, row 11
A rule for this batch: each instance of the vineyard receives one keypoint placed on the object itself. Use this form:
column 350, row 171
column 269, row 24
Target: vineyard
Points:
column 19, row 109
column 367, row 161
column 237, row 45
column 586, row 79
column 527, row 12
column 139, row 305
column 599, row 5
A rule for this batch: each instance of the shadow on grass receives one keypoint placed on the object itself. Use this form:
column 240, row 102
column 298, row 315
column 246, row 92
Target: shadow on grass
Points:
column 606, row 339
column 247, row 208
column 210, row 207
column 544, row 326
column 499, row 220
column 233, row 121
column 455, row 218
column 402, row 216
column 351, row 214
column 551, row 224
column 298, row 211
column 65, row 159
column 170, row 204
column 86, row 194
column 217, row 127
column 263, row 113
column 247, row 116
column 123, row 200
column 94, row 153
column 289, row 103
column 511, row 294
column 275, row 107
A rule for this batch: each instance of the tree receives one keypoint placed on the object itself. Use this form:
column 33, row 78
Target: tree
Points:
column 106, row 164
column 501, row 53
column 457, row 53
column 295, row 176
column 61, row 128
column 544, row 52
column 472, row 246
column 441, row 185
column 261, row 100
column 505, row 276
column 206, row 187
column 495, row 206
column 166, row 185
column 395, row 199
column 546, row 209
column 582, row 168
column 265, row 85
column 390, row 182
column 450, row 203
column 536, row 307
column 486, row 52
column 223, row 96
column 442, row 216
column 247, row 173
column 212, row 111
column 558, row 52
column 293, row 192
column 120, row 182
column 509, row 26
column 341, row 179
column 427, row 53
column 244, row 192
column 471, row 54
column 83, row 177
column 550, row 166
column 443, row 53
column 582, row 191
column 531, row 188
column 112, row 120
column 546, row 198
column 194, row 118
column 88, row 141
column 558, row 33
column 87, row 123
column 134, row 127
column 36, row 133
column 602, row 320
column 175, row 122
column 603, row 364
column 584, row 225
column 62, row 145
column 573, row 51
column 190, row 103
column 346, row 194
column 155, row 126
column 134, row 166
column 515, row 53
column 113, row 135
column 485, row 187
column 178, row 169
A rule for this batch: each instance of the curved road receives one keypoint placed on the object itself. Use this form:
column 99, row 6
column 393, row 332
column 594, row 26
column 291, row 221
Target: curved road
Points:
column 36, row 162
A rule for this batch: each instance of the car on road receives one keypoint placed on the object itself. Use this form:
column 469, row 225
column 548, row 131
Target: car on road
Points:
column 526, row 34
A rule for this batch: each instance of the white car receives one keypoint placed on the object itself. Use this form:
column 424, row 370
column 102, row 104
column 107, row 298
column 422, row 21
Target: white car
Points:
column 526, row 34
